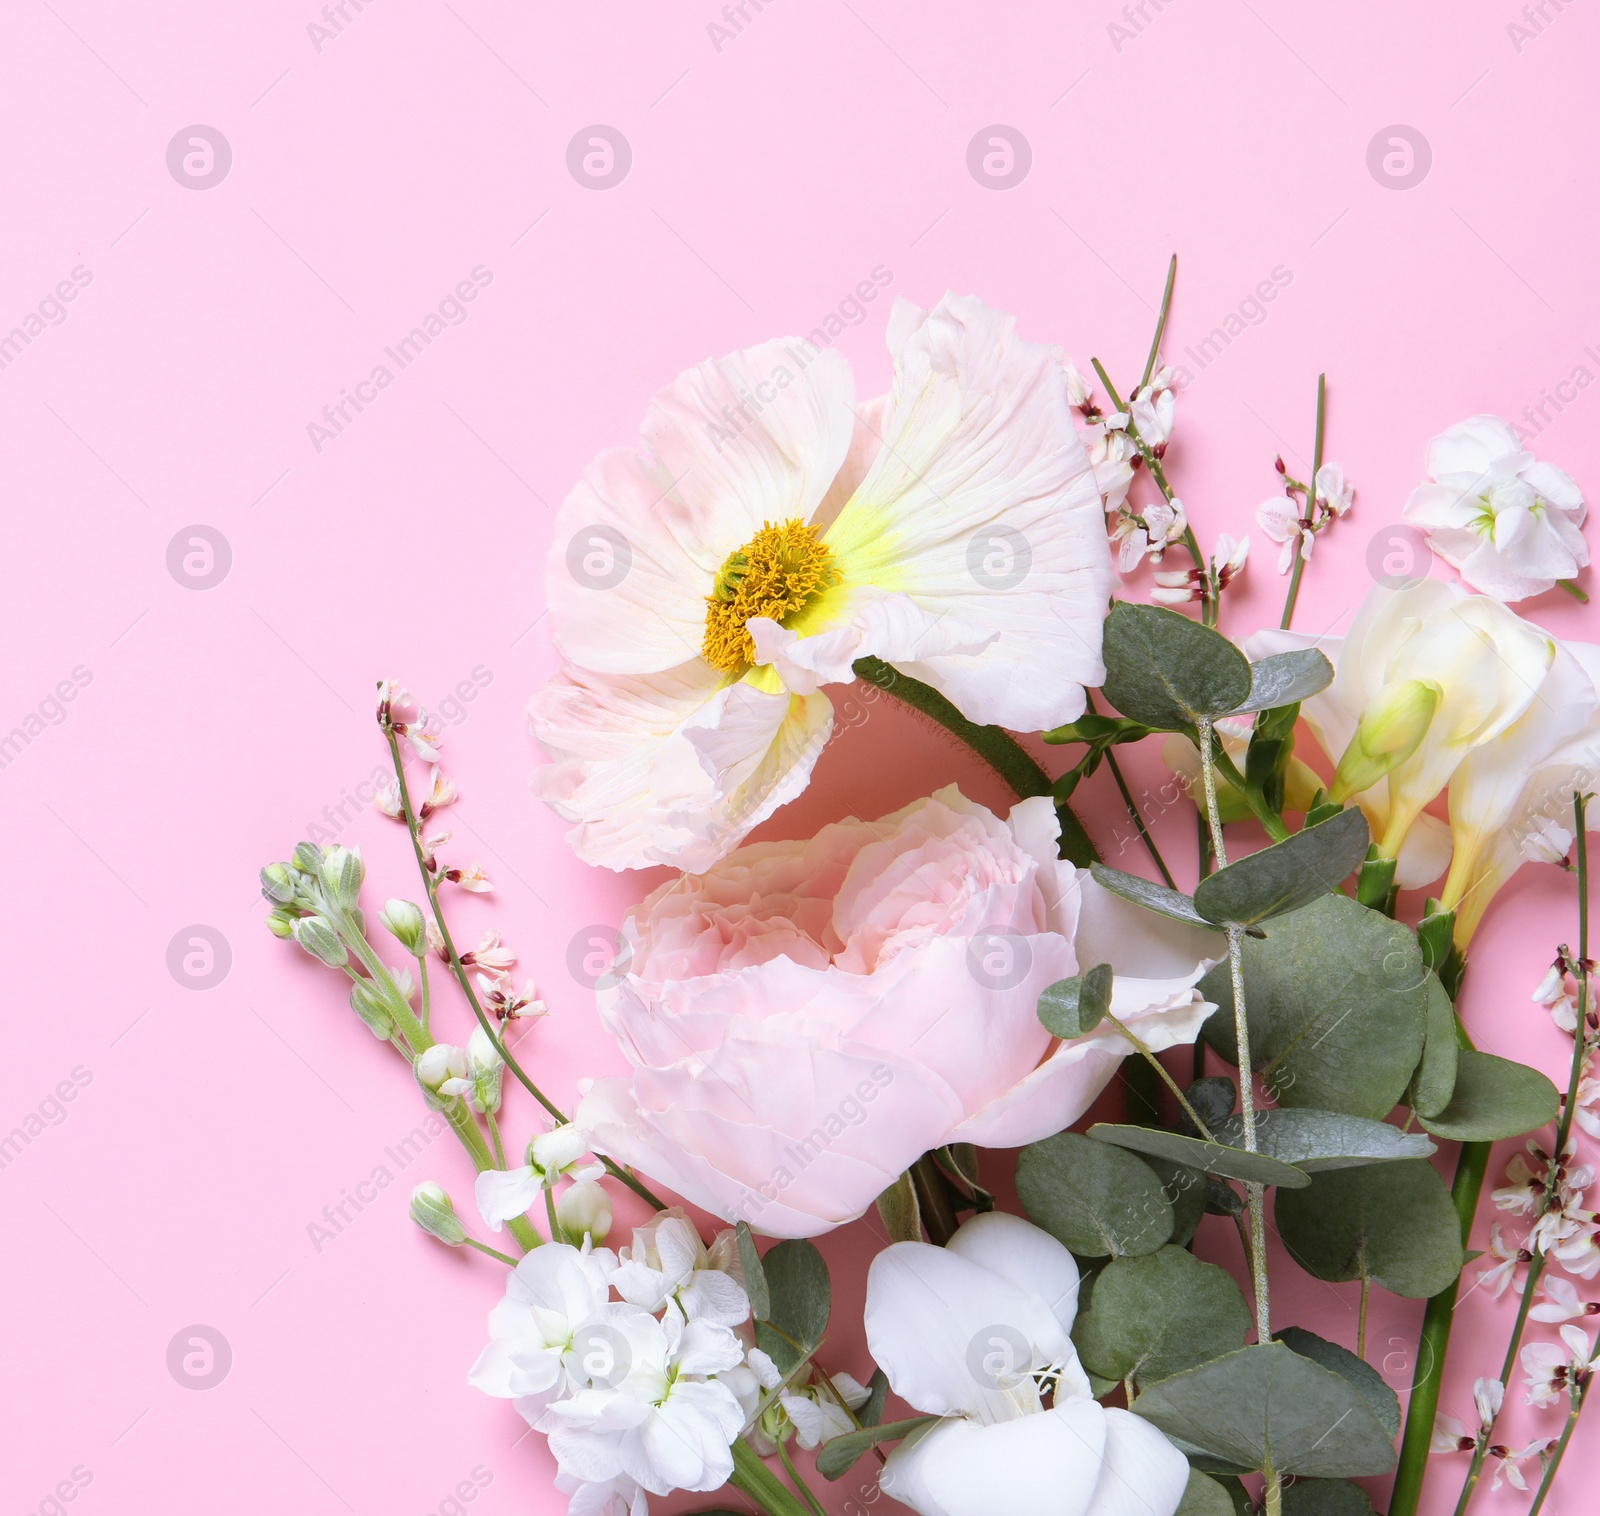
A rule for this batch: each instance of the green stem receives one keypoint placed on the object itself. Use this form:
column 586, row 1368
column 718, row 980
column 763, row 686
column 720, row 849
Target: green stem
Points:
column 483, row 1247
column 797, row 1481
column 459, row 1116
column 1263, row 812
column 1133, row 809
column 1572, row 588
column 1361, row 1319
column 932, row 1201
column 1580, row 1393
column 999, row 749
column 1160, row 1068
column 1311, row 502
column 1434, row 1343
column 494, row 1136
column 458, row 969
column 1161, row 322
column 427, row 1006
column 756, row 1480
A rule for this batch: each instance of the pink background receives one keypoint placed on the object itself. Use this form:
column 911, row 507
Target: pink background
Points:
column 209, row 1129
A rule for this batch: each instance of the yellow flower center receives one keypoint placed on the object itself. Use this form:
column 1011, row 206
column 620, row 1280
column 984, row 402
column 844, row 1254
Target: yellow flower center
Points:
column 776, row 573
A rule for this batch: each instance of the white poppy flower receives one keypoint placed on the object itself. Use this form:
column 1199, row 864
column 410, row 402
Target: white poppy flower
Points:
column 1510, row 524
column 976, row 1333
column 770, row 533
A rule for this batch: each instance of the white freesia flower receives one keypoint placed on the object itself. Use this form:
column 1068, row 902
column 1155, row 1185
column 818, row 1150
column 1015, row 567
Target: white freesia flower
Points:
column 770, row 533
column 668, row 1261
column 1487, row 667
column 977, row 1333
column 646, row 1409
column 1510, row 524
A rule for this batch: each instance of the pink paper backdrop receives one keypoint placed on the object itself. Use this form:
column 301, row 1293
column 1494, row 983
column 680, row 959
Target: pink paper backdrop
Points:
column 377, row 163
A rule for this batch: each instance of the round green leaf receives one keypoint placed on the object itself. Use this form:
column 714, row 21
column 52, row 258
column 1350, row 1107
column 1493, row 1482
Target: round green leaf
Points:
column 1286, row 679
column 1186, row 1189
column 1366, row 1380
column 1267, row 1399
column 1435, row 1079
column 1337, row 1002
column 1326, row 1497
column 1197, row 1153
column 1392, row 1223
column 1203, row 1496
column 1074, row 1007
column 800, row 1298
column 1155, row 1316
column 1096, row 1199
column 1493, row 1098
column 1287, row 875
column 1319, row 1140
column 1153, row 897
column 1168, row 671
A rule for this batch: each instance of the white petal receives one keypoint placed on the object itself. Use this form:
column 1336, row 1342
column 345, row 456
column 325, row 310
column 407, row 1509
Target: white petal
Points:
column 1025, row 1256
column 1143, row 1474
column 1472, row 446
column 672, row 768
column 981, row 505
column 503, row 1195
column 1425, row 853
column 953, row 1336
column 1048, row 1462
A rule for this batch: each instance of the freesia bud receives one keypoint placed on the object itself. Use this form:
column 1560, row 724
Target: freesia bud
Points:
column 280, row 923
column 277, row 883
column 404, row 920
column 584, row 1208
column 342, row 873
column 317, row 936
column 433, row 1211
column 1391, row 729
column 369, row 1006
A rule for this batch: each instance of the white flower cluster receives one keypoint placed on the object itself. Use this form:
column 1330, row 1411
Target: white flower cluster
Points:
column 629, row 1363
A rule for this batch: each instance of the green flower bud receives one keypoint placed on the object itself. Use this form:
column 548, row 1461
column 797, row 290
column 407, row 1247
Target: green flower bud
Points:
column 433, row 1211
column 277, row 883
column 486, row 1068
column 404, row 920
column 308, row 859
column 1390, row 731
column 342, row 873
column 584, row 1207
column 369, row 1006
column 317, row 936
column 280, row 923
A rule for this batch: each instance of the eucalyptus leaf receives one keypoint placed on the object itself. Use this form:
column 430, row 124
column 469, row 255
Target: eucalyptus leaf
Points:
column 1493, row 1098
column 870, row 1414
column 1320, row 1140
column 1391, row 1223
column 797, row 1280
column 1213, row 1098
column 837, row 1456
column 899, row 1211
column 1267, row 1399
column 1158, row 1315
column 1197, row 1153
column 1365, row 1379
column 1186, row 1189
column 1337, row 1001
column 1153, row 897
column 1220, row 1469
column 1286, row 679
column 1435, row 1080
column 755, row 1276
column 1074, row 1007
column 1170, row 672
column 1222, row 1199
column 1098, row 1200
column 1326, row 1497
column 1287, row 875
column 1203, row 1496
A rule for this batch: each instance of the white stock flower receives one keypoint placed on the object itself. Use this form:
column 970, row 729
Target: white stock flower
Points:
column 647, row 1409
column 668, row 1261
column 1510, row 524
column 607, row 1497
column 975, row 1333
column 503, row 1194
column 770, row 533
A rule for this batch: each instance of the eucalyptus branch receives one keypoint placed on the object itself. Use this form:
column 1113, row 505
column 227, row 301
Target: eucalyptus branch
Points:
column 1144, row 1049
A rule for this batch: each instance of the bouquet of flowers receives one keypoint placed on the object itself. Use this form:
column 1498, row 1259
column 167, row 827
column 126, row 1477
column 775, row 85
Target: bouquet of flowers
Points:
column 858, row 1022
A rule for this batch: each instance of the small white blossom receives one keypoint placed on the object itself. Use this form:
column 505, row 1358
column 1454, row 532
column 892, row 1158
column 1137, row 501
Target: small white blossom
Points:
column 1561, row 1301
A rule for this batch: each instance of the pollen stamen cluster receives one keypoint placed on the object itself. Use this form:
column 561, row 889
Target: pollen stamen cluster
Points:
column 780, row 570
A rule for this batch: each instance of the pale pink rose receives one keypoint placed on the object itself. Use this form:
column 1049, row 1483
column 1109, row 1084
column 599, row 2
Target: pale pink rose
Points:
column 806, row 1019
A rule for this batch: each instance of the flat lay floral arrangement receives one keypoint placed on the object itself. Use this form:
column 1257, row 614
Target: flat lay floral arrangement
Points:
column 893, row 1015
